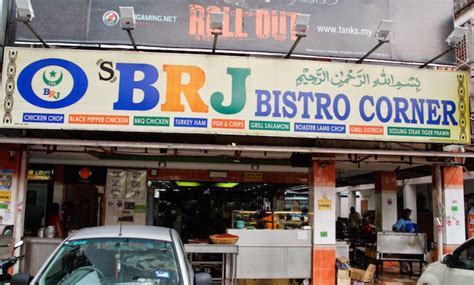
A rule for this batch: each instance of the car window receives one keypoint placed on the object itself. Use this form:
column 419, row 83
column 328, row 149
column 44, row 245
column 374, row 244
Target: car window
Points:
column 113, row 261
column 466, row 258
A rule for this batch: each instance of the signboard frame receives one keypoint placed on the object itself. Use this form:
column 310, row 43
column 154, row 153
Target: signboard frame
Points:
column 207, row 94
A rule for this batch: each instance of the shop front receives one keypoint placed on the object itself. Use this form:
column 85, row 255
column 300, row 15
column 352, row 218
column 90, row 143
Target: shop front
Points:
column 240, row 203
column 197, row 203
column 209, row 145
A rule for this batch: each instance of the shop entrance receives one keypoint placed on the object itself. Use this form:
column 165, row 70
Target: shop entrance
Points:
column 81, row 206
column 199, row 209
column 37, row 205
column 39, row 198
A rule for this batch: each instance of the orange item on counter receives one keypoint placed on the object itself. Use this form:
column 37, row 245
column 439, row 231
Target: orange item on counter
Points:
column 224, row 238
column 268, row 220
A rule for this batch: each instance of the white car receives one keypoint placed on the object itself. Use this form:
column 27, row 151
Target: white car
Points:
column 456, row 268
column 128, row 255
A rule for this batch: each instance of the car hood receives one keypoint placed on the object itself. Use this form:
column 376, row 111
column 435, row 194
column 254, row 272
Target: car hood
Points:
column 433, row 274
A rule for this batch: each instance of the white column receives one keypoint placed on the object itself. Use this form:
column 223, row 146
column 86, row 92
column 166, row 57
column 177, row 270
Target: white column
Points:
column 351, row 199
column 409, row 200
column 453, row 196
column 344, row 207
column 338, row 205
column 322, row 196
column 357, row 201
column 385, row 200
column 19, row 202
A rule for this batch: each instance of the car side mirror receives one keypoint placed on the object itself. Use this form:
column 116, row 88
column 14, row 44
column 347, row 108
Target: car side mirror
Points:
column 20, row 279
column 448, row 260
column 202, row 278
column 19, row 243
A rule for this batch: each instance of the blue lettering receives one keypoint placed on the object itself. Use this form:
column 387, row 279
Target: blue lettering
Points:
column 322, row 107
column 276, row 112
column 289, row 99
column 417, row 110
column 449, row 109
column 306, row 96
column 347, row 107
column 127, row 85
column 401, row 108
column 370, row 100
column 263, row 102
column 378, row 109
column 433, row 117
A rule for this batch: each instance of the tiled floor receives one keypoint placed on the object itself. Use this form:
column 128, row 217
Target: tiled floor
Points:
column 391, row 275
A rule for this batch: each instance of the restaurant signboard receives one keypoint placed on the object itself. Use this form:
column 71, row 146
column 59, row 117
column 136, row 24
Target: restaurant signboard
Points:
column 208, row 94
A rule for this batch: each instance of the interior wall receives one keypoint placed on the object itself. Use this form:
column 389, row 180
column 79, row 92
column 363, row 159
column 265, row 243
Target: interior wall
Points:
column 468, row 193
column 468, row 186
column 368, row 195
column 58, row 184
column 371, row 200
column 344, row 207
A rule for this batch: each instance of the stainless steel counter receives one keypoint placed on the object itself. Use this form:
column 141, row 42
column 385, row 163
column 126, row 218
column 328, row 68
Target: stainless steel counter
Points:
column 5, row 246
column 37, row 250
column 229, row 258
column 273, row 254
column 401, row 243
column 403, row 247
column 211, row 248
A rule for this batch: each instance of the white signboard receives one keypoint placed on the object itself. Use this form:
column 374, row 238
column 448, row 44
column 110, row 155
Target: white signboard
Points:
column 176, row 93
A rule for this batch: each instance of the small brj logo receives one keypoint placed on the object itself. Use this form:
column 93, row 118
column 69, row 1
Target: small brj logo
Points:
column 52, row 83
column 110, row 18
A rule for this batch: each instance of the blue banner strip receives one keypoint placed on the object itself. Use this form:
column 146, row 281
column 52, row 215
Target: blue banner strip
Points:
column 320, row 128
column 43, row 118
column 190, row 122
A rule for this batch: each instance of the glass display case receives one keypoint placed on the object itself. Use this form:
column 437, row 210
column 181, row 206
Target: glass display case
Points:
column 268, row 220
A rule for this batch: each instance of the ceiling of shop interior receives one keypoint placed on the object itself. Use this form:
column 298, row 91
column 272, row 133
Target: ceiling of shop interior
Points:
column 239, row 187
column 351, row 169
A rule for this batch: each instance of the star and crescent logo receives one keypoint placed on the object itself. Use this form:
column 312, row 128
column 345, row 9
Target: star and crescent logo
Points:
column 52, row 75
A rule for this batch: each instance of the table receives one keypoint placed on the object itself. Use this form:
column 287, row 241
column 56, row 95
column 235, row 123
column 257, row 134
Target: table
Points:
column 227, row 250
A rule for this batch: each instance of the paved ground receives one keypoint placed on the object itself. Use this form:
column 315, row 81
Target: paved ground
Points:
column 391, row 275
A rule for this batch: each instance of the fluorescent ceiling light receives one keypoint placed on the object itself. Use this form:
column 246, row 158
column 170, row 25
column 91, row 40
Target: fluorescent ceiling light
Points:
column 226, row 184
column 188, row 184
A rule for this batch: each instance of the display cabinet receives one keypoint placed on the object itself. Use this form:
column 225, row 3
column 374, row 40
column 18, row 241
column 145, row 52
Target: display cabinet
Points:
column 273, row 220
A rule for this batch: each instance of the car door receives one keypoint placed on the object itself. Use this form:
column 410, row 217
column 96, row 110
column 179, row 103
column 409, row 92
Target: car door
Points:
column 461, row 271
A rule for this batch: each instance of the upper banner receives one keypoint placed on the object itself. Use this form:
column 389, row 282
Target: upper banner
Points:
column 177, row 93
column 338, row 28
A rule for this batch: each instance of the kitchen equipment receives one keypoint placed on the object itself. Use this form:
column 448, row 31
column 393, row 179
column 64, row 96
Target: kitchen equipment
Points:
column 50, row 232
column 240, row 224
column 41, row 232
column 398, row 243
column 402, row 247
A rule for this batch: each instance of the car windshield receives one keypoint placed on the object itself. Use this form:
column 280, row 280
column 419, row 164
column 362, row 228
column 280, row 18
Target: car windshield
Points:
column 113, row 261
